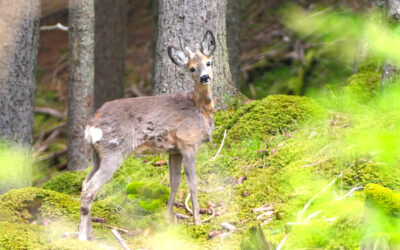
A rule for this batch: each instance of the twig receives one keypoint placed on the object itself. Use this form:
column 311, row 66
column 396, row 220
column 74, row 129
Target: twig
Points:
column 349, row 193
column 314, row 163
column 220, row 147
column 47, row 132
column 300, row 215
column 50, row 111
column 52, row 137
column 54, row 27
column 211, row 216
column 52, row 155
column 312, row 216
column 279, row 247
column 187, row 205
column 120, row 240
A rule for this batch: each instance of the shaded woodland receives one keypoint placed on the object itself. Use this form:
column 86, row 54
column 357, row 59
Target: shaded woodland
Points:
column 306, row 139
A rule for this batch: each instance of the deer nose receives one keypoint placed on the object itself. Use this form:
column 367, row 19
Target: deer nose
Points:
column 204, row 78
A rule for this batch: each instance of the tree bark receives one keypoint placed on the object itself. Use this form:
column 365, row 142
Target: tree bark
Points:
column 394, row 8
column 19, row 34
column 389, row 70
column 80, row 80
column 233, row 27
column 190, row 20
column 110, row 35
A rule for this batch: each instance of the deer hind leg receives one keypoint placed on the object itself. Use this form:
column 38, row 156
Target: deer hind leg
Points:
column 175, row 163
column 191, row 178
column 108, row 165
column 96, row 166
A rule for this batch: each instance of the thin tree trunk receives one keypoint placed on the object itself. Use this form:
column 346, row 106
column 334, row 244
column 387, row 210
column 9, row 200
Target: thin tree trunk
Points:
column 81, row 81
column 110, row 35
column 233, row 27
column 19, row 33
column 389, row 70
column 190, row 20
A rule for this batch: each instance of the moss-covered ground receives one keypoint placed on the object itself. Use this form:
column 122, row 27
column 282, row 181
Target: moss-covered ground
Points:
column 286, row 154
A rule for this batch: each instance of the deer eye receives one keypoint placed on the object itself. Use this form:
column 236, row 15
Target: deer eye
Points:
column 208, row 64
column 192, row 69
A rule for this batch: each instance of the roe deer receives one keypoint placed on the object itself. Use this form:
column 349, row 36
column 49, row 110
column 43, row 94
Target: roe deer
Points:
column 175, row 123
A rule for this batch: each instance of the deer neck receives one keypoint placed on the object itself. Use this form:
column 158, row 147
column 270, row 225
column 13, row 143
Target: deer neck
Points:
column 202, row 99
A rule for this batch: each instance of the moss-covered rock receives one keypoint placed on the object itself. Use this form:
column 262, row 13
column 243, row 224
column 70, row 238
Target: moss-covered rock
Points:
column 383, row 198
column 20, row 236
column 364, row 84
column 269, row 116
column 26, row 205
column 27, row 236
column 67, row 182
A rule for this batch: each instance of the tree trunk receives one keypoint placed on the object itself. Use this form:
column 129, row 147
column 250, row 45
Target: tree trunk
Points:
column 80, row 80
column 389, row 70
column 394, row 8
column 19, row 27
column 19, row 33
column 110, row 35
column 233, row 27
column 190, row 20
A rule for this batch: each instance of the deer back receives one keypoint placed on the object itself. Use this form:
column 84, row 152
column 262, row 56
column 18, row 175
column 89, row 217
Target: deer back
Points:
column 150, row 124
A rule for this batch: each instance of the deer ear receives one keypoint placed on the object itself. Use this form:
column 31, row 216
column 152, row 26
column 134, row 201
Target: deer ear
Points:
column 177, row 56
column 208, row 44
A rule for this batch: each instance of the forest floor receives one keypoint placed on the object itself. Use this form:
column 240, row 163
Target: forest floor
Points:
column 292, row 171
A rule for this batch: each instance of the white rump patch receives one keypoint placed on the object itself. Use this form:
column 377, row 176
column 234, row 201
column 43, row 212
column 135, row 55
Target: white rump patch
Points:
column 93, row 134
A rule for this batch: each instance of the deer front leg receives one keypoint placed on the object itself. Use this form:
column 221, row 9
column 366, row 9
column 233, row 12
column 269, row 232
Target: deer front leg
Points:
column 175, row 162
column 191, row 178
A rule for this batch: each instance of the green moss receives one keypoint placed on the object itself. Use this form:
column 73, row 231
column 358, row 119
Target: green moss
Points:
column 20, row 236
column 27, row 236
column 382, row 217
column 29, row 204
column 67, row 182
column 364, row 84
column 150, row 196
column 384, row 198
column 36, row 204
column 270, row 116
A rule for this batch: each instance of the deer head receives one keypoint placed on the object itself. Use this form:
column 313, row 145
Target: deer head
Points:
column 199, row 62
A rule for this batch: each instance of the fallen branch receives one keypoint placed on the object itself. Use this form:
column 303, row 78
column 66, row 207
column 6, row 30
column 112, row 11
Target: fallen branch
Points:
column 220, row 147
column 50, row 111
column 182, row 216
column 120, row 240
column 54, row 27
column 99, row 219
column 160, row 163
column 268, row 213
column 121, row 230
column 227, row 226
